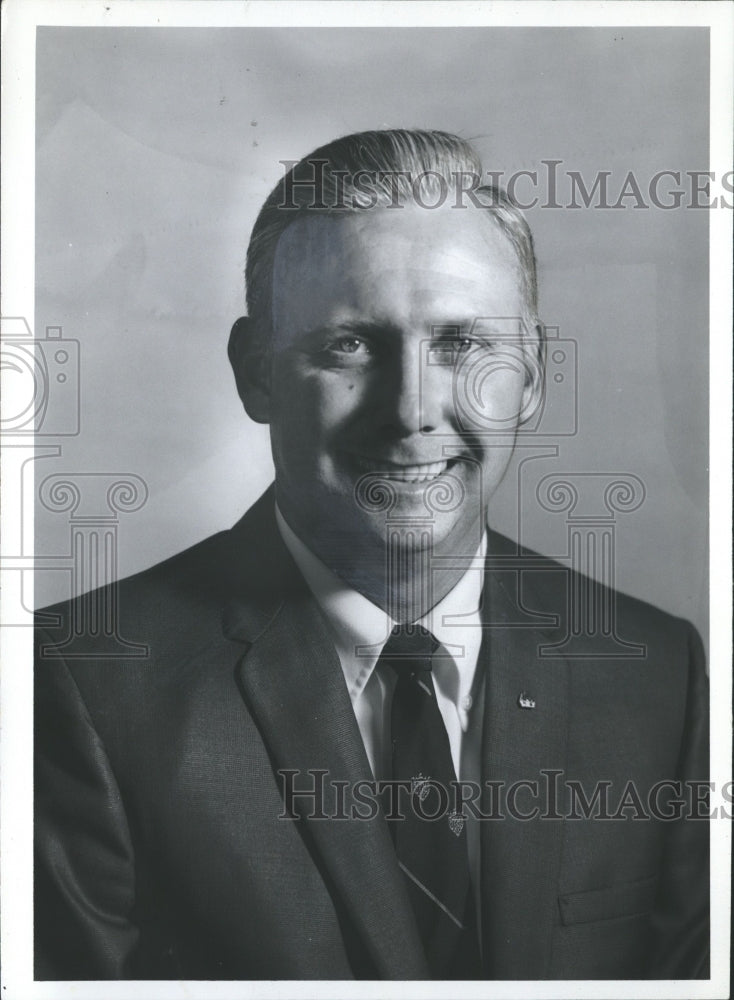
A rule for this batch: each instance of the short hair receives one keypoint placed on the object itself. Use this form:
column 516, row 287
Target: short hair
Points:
column 394, row 160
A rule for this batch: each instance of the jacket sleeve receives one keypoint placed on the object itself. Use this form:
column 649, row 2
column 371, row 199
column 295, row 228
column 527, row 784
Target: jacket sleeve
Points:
column 84, row 885
column 681, row 915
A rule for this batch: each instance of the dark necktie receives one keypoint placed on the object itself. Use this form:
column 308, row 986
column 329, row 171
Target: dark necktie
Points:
column 431, row 852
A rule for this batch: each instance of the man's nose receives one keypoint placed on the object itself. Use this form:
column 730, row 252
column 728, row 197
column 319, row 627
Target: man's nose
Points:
column 414, row 396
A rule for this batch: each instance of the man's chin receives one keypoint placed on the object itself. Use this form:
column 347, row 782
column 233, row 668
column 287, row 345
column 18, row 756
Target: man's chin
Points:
column 409, row 527
column 367, row 513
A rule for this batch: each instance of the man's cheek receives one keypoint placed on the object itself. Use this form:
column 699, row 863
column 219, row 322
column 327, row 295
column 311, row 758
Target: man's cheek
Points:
column 299, row 407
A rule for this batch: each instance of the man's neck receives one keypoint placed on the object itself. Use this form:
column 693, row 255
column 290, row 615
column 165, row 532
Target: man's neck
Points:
column 405, row 577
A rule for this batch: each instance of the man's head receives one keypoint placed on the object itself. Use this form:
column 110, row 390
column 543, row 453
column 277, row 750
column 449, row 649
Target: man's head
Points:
column 392, row 340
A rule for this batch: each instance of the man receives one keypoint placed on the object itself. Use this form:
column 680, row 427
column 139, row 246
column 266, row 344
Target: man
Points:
column 343, row 757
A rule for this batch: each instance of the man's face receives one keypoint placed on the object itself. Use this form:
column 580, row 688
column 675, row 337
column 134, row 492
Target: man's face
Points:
column 379, row 372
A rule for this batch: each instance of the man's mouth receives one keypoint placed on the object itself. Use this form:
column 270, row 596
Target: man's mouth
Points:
column 424, row 472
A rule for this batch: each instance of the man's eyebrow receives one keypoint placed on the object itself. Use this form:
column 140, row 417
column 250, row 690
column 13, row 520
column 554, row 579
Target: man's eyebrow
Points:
column 475, row 326
column 359, row 328
column 451, row 326
column 464, row 328
column 376, row 328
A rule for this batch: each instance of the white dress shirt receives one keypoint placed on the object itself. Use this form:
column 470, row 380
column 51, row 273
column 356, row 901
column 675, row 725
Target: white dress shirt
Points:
column 360, row 629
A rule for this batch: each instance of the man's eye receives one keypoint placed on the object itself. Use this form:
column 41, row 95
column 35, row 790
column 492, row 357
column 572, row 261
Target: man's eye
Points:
column 349, row 345
column 463, row 345
column 447, row 350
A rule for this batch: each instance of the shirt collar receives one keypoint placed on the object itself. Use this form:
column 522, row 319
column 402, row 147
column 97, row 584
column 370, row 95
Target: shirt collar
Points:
column 360, row 628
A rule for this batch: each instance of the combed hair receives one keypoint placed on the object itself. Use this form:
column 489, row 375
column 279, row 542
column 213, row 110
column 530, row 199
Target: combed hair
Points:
column 325, row 183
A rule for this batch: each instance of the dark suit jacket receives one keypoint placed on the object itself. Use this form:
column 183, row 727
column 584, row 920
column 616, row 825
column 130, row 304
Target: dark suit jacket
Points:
column 161, row 851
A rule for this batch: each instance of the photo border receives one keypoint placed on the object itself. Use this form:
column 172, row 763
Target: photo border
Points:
column 20, row 18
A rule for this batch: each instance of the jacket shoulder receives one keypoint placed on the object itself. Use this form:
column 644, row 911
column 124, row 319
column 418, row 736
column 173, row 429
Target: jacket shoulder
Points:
column 187, row 577
column 168, row 611
column 553, row 584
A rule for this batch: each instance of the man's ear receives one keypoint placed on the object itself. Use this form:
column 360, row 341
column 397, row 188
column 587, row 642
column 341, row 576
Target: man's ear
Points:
column 250, row 368
column 534, row 388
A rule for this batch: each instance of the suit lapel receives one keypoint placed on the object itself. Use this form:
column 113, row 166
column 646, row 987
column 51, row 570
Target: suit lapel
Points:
column 292, row 681
column 520, row 858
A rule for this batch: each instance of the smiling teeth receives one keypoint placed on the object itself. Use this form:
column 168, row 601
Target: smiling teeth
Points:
column 411, row 473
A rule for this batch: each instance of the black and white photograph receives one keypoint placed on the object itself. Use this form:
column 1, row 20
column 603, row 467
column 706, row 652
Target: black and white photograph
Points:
column 366, row 445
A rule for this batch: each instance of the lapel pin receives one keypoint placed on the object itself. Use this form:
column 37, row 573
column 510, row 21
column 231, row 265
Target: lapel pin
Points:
column 525, row 701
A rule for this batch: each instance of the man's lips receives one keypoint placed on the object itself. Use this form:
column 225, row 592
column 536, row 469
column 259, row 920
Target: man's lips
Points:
column 404, row 472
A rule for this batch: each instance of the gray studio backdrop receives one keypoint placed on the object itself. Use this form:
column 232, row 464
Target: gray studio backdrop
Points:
column 155, row 148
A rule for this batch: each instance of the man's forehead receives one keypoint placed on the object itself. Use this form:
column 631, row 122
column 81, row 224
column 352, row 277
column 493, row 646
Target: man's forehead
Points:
column 406, row 272
column 464, row 241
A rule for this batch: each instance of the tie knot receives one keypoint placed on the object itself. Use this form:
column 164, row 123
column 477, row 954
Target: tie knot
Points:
column 409, row 648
